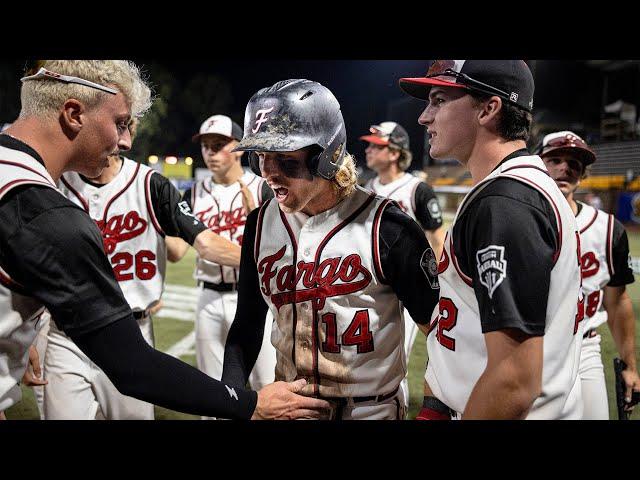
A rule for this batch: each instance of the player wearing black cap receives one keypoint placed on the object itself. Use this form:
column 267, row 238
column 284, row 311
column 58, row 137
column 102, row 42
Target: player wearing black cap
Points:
column 505, row 341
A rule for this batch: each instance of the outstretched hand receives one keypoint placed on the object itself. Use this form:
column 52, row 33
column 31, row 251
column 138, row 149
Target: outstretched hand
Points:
column 280, row 401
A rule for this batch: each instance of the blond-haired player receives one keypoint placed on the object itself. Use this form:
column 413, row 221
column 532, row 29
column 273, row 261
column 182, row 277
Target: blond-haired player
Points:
column 333, row 262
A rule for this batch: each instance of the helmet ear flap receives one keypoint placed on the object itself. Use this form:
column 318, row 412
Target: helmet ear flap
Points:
column 254, row 163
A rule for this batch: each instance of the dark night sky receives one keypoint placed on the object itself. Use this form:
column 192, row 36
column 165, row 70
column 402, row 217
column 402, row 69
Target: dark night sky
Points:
column 366, row 89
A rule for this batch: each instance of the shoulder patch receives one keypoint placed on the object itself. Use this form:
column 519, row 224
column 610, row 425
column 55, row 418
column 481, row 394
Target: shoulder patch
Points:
column 434, row 208
column 429, row 266
column 492, row 267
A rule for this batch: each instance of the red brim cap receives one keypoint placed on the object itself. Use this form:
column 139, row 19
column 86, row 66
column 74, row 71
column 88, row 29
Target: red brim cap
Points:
column 374, row 139
column 586, row 157
column 419, row 87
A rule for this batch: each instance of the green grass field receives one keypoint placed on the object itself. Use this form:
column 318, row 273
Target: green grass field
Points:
column 169, row 331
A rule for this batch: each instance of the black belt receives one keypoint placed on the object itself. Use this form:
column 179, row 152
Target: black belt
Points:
column 220, row 287
column 140, row 314
column 342, row 401
column 590, row 333
column 371, row 398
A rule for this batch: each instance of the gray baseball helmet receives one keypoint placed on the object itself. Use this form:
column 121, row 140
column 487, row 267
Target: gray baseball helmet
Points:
column 291, row 115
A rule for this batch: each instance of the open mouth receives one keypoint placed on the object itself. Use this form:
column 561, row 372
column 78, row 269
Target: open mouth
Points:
column 281, row 193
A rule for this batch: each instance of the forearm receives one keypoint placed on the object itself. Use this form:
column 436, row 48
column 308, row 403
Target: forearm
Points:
column 496, row 396
column 217, row 249
column 512, row 379
column 436, row 240
column 176, row 248
column 241, row 350
column 138, row 370
column 622, row 324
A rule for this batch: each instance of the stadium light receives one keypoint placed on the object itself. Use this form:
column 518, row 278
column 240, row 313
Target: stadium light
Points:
column 188, row 160
column 153, row 159
column 171, row 160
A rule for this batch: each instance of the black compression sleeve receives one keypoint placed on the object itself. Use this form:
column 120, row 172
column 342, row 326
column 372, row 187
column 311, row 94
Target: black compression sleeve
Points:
column 140, row 371
column 173, row 214
column 428, row 212
column 245, row 336
column 406, row 258
column 621, row 259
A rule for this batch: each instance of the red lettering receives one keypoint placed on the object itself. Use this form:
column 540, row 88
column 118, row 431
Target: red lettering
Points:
column 265, row 267
column 589, row 265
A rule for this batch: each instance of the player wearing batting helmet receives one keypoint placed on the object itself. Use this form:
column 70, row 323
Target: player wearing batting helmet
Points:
column 333, row 262
column 606, row 271
column 75, row 114
column 505, row 340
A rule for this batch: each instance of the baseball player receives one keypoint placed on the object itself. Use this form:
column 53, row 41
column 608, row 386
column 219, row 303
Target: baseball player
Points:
column 333, row 262
column 133, row 207
column 222, row 202
column 75, row 114
column 505, row 340
column 389, row 155
column 606, row 270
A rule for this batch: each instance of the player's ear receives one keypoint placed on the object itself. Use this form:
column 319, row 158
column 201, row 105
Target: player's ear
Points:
column 71, row 116
column 489, row 110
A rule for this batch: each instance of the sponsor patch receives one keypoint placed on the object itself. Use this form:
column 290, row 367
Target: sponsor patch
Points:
column 429, row 266
column 434, row 208
column 492, row 267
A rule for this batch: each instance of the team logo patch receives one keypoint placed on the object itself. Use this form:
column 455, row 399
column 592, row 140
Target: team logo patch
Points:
column 429, row 266
column 186, row 210
column 261, row 117
column 492, row 267
column 513, row 97
column 434, row 208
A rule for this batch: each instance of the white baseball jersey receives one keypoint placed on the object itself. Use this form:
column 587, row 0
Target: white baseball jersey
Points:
column 456, row 345
column 19, row 313
column 336, row 323
column 133, row 238
column 596, row 235
column 220, row 208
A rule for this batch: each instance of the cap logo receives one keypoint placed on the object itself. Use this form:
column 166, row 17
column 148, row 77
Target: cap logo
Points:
column 210, row 124
column 513, row 97
column 439, row 66
column 261, row 117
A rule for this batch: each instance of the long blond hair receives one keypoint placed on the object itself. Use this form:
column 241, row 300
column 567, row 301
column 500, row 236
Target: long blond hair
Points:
column 346, row 177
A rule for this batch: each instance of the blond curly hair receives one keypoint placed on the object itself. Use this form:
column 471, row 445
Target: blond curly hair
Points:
column 346, row 177
column 45, row 97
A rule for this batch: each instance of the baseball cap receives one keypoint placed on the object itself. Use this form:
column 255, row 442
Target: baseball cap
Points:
column 219, row 125
column 510, row 80
column 567, row 142
column 388, row 133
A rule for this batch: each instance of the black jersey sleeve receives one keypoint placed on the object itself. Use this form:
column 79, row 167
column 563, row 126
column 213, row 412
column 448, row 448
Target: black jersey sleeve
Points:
column 505, row 242
column 620, row 257
column 173, row 214
column 245, row 335
column 159, row 378
column 55, row 250
column 428, row 212
column 186, row 196
column 408, row 263
column 265, row 193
